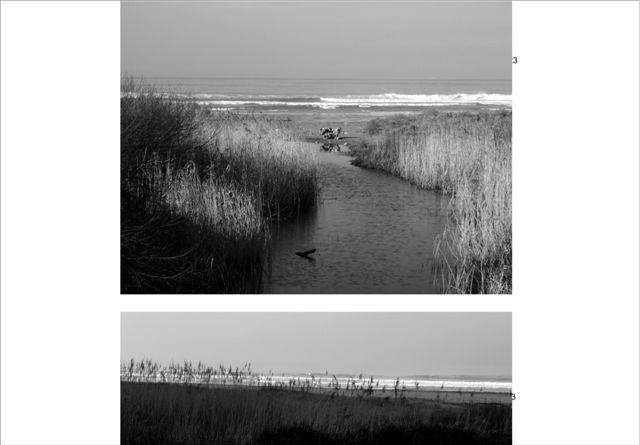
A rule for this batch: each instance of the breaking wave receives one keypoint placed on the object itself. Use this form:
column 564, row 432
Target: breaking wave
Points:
column 393, row 99
column 360, row 101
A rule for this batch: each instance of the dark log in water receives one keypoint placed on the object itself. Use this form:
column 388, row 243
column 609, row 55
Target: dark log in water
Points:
column 306, row 253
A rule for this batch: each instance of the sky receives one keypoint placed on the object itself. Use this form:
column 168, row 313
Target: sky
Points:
column 383, row 344
column 334, row 40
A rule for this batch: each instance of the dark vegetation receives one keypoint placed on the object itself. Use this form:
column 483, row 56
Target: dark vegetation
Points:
column 157, row 414
column 197, row 191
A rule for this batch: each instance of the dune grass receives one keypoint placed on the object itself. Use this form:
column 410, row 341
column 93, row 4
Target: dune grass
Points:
column 190, row 414
column 149, row 371
column 197, row 191
column 467, row 156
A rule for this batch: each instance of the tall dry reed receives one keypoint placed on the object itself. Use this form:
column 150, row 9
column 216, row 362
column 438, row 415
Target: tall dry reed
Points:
column 467, row 156
column 194, row 202
column 265, row 158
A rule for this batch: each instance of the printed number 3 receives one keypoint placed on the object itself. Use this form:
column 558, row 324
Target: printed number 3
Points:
column 515, row 60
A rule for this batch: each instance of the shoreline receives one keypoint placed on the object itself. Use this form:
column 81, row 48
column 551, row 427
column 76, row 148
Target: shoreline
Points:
column 448, row 396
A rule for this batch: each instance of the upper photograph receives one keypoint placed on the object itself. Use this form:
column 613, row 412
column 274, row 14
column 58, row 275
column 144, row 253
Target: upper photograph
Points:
column 316, row 148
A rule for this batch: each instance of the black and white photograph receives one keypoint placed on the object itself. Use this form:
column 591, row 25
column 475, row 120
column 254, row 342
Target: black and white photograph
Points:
column 315, row 378
column 316, row 148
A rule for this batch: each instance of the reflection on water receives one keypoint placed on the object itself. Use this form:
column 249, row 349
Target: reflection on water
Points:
column 374, row 233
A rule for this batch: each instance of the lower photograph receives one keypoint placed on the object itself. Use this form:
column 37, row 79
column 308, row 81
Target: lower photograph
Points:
column 315, row 378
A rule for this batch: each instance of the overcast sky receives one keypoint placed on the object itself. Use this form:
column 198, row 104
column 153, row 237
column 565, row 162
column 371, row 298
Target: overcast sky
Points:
column 317, row 40
column 391, row 344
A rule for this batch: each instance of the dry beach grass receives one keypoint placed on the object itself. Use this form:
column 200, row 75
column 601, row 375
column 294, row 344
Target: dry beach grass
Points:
column 466, row 155
column 197, row 190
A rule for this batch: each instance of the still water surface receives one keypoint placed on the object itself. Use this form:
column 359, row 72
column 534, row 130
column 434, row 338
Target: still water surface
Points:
column 374, row 233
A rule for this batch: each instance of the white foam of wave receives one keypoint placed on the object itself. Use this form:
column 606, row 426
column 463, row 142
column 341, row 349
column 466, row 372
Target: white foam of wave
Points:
column 376, row 100
column 328, row 382
column 331, row 103
column 393, row 99
column 241, row 103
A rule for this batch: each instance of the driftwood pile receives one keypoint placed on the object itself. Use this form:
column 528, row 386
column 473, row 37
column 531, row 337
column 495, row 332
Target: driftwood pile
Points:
column 330, row 133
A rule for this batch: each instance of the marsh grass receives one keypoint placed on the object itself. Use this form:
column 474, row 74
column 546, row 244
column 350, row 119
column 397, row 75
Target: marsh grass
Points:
column 189, row 414
column 197, row 191
column 266, row 157
column 467, row 156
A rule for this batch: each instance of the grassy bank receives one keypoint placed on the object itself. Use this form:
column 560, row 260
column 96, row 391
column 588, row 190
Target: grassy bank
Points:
column 187, row 414
column 467, row 156
column 197, row 189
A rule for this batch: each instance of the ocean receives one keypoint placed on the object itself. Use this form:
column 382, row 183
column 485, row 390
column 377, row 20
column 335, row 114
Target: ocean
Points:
column 334, row 94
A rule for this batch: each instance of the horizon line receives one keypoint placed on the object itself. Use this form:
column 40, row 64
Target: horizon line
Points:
column 123, row 74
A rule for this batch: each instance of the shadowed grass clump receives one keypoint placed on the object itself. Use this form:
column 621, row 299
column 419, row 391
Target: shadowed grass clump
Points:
column 168, row 414
column 467, row 156
column 195, row 202
column 266, row 158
